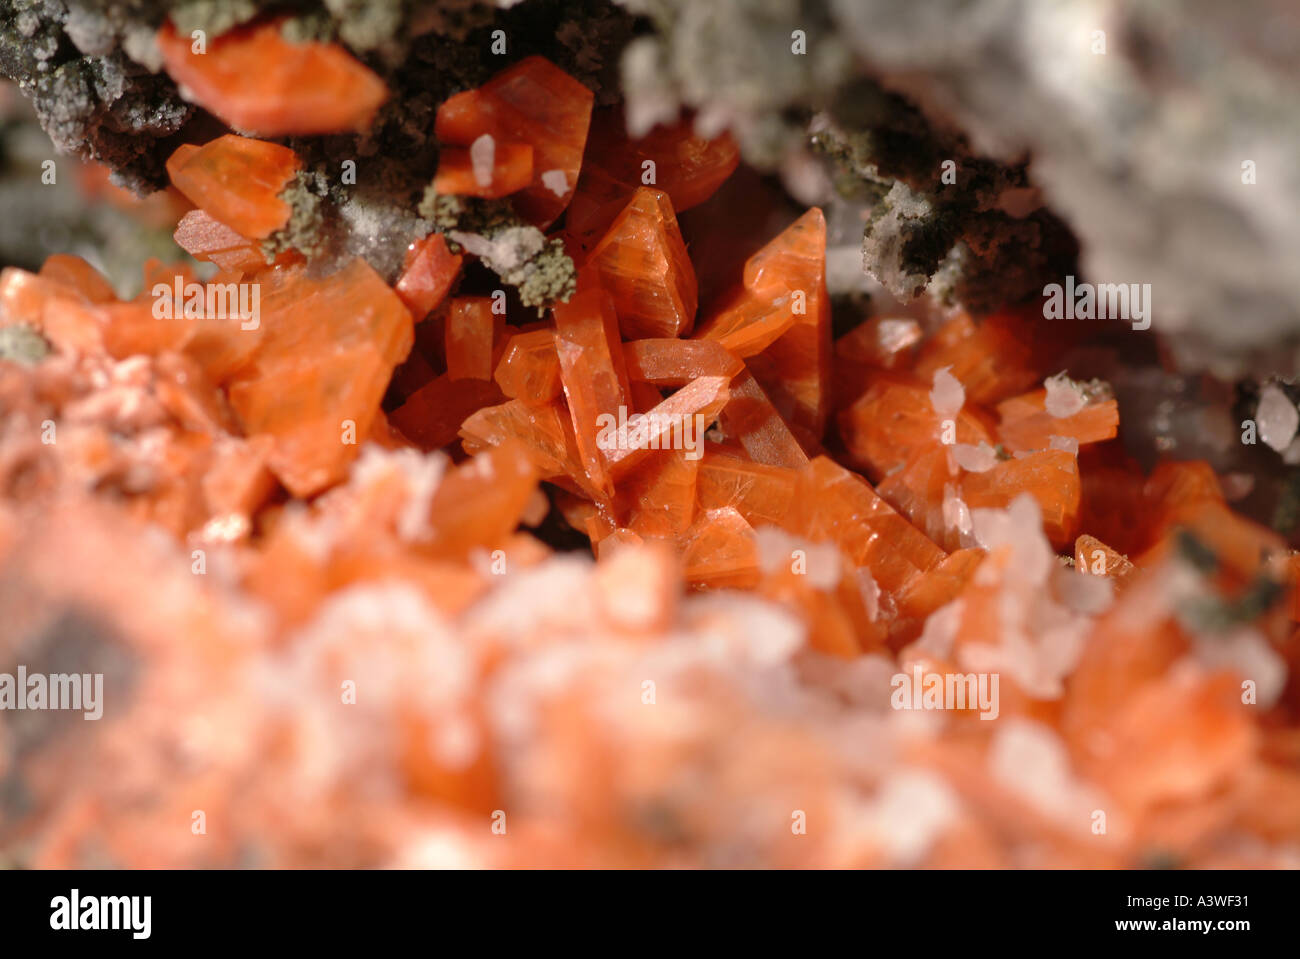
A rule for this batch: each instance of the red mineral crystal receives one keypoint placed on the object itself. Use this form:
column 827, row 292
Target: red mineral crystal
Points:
column 895, row 419
column 503, row 168
column 315, row 381
column 593, row 373
column 834, row 504
column 532, row 103
column 471, row 331
column 1026, row 423
column 237, row 181
column 642, row 263
column 260, row 83
column 427, row 276
column 529, row 369
column 670, row 362
column 204, row 238
column 675, row 422
column 672, row 158
column 431, row 416
column 1051, row 477
column 751, row 419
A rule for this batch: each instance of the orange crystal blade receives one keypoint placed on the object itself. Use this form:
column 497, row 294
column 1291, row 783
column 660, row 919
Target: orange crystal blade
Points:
column 428, row 273
column 259, row 82
column 751, row 419
column 642, row 263
column 470, row 333
column 668, row 362
column 593, row 374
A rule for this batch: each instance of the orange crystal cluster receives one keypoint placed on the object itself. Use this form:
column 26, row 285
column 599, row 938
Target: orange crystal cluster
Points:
column 354, row 645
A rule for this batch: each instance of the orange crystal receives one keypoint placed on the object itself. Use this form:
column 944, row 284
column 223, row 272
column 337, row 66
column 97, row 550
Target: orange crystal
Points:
column 529, row 368
column 509, row 171
column 751, row 419
column 315, row 382
column 78, row 276
column 1050, row 476
column 470, row 333
column 593, row 373
column 677, row 421
column 918, row 490
column 238, row 181
column 431, row 417
column 1026, row 424
column 990, row 357
column 428, row 273
column 832, row 503
column 658, row 500
column 205, row 238
column 642, row 263
column 668, row 362
column 795, row 369
column 63, row 314
column 763, row 494
column 1093, row 557
column 536, row 103
column 480, row 503
column 687, row 167
column 257, row 81
column 895, row 419
column 540, row 428
column 721, row 551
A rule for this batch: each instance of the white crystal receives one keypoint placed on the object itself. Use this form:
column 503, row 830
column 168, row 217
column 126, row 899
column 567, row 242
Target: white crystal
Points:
column 557, row 181
column 898, row 333
column 1247, row 653
column 1064, row 398
column 947, row 396
column 1277, row 418
column 911, row 812
column 956, row 515
column 1020, row 527
column 1067, row 444
column 975, row 459
column 482, row 155
column 1030, row 760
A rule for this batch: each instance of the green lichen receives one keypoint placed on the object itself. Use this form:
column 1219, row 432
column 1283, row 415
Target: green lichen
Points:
column 1211, row 613
column 1191, row 549
column 548, row 278
column 466, row 214
column 539, row 269
column 1286, row 514
column 20, row 343
column 314, row 26
column 214, row 17
column 1214, row 614
column 306, row 195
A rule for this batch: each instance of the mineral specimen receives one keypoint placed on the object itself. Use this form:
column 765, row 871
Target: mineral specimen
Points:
column 487, row 489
